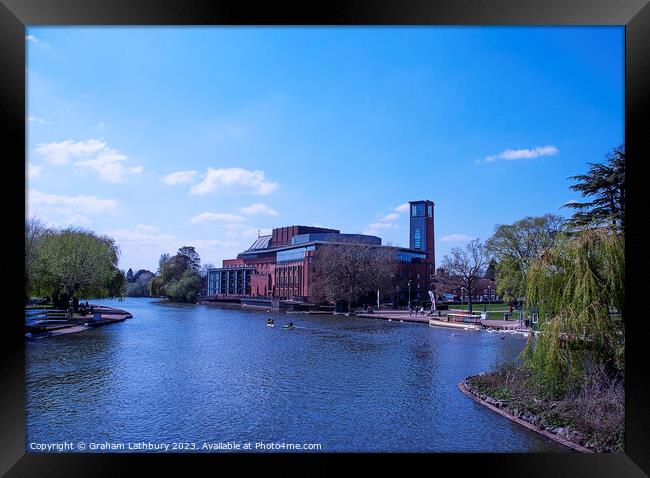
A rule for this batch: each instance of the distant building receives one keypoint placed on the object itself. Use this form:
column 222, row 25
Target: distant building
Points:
column 484, row 289
column 278, row 265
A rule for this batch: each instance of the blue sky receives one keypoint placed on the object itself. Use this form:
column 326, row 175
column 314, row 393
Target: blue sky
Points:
column 164, row 137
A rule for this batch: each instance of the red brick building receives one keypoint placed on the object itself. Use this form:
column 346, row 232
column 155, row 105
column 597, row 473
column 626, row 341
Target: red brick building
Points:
column 277, row 265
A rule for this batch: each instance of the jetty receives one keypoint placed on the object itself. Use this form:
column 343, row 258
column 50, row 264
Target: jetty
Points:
column 427, row 318
column 456, row 319
column 54, row 323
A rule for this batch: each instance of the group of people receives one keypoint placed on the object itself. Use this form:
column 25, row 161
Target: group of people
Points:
column 271, row 323
column 84, row 309
column 416, row 310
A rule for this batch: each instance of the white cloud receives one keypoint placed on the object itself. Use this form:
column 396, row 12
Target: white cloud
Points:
column 235, row 180
column 34, row 171
column 56, row 209
column 180, row 177
column 514, row 154
column 142, row 246
column 93, row 155
column 259, row 208
column 375, row 227
column 214, row 216
column 382, row 225
column 212, row 243
column 63, row 151
column 147, row 235
column 146, row 228
column 138, row 236
column 31, row 38
column 402, row 207
column 243, row 231
column 78, row 219
column 456, row 238
column 393, row 216
column 37, row 119
column 109, row 165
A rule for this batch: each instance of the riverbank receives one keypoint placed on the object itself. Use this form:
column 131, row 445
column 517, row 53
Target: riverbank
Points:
column 102, row 316
column 590, row 419
column 500, row 407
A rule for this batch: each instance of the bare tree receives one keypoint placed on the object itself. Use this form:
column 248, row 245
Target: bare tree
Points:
column 346, row 272
column 464, row 267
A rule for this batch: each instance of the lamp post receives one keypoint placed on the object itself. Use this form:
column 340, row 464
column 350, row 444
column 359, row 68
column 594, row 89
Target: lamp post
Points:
column 410, row 294
column 397, row 296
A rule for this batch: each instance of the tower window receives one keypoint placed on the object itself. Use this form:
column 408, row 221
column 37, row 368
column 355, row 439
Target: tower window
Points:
column 416, row 238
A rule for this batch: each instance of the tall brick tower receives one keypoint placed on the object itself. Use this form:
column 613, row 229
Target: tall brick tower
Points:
column 421, row 231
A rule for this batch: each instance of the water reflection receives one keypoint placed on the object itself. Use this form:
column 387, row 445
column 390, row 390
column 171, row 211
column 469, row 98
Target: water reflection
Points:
column 203, row 373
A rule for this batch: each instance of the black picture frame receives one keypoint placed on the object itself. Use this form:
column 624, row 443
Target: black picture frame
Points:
column 15, row 15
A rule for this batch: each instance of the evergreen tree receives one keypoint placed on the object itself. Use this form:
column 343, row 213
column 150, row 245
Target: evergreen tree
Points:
column 491, row 271
column 605, row 183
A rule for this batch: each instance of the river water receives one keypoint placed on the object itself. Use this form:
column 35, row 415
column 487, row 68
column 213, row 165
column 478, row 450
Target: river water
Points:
column 201, row 374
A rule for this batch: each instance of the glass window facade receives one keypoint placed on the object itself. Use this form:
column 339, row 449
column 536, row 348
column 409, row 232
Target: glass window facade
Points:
column 417, row 210
column 417, row 238
column 293, row 254
column 410, row 256
column 229, row 281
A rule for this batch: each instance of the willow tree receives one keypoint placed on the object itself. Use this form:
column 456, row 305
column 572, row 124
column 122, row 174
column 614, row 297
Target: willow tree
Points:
column 73, row 264
column 578, row 287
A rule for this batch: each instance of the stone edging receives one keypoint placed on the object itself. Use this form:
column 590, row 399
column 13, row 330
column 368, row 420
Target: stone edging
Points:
column 530, row 426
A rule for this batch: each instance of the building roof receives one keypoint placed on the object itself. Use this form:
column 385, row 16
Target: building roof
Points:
column 262, row 242
column 312, row 243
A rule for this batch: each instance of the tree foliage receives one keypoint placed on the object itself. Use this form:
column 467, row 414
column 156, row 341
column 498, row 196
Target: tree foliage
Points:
column 34, row 232
column 188, row 259
column 515, row 246
column 73, row 263
column 605, row 184
column 344, row 272
column 139, row 286
column 579, row 286
column 464, row 267
column 178, row 276
column 143, row 276
column 185, row 289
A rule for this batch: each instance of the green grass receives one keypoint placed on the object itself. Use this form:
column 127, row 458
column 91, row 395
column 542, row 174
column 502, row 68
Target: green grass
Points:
column 481, row 306
column 495, row 311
